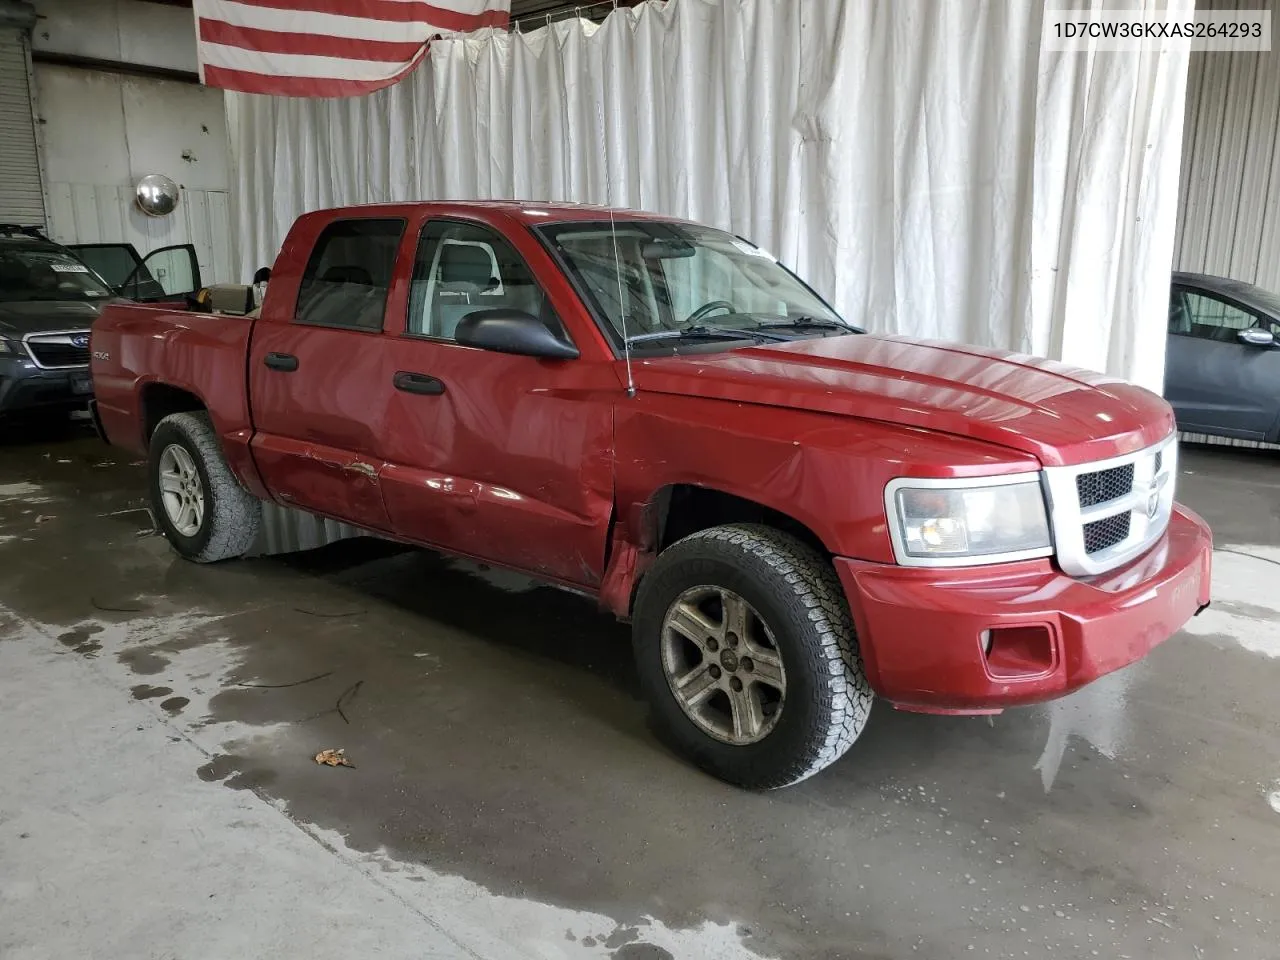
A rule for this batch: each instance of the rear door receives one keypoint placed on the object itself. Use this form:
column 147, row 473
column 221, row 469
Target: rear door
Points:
column 319, row 378
column 1216, row 383
column 502, row 457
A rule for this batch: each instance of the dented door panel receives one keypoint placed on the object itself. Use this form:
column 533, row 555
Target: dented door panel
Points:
column 511, row 462
column 316, row 444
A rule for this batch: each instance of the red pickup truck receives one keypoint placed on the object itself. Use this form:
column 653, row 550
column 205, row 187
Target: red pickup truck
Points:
column 796, row 516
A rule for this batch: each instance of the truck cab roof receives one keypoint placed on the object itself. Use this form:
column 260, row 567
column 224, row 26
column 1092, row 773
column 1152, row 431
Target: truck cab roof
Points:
column 530, row 212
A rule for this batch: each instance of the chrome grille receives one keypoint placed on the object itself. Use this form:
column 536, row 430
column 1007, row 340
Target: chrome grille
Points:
column 56, row 350
column 1107, row 513
column 1102, row 486
column 1103, row 534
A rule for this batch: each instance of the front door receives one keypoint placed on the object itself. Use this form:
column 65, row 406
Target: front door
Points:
column 1216, row 383
column 168, row 275
column 501, row 457
column 318, row 378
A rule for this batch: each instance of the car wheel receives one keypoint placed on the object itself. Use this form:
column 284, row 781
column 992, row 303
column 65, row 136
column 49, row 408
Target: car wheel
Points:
column 197, row 501
column 746, row 651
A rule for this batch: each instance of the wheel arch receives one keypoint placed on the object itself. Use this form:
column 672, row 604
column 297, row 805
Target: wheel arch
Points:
column 681, row 509
column 673, row 512
column 157, row 400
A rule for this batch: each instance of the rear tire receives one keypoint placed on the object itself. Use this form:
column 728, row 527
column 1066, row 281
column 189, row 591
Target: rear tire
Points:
column 770, row 707
column 198, row 504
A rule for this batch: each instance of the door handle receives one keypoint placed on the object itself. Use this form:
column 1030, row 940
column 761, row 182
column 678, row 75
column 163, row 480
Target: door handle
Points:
column 281, row 361
column 417, row 383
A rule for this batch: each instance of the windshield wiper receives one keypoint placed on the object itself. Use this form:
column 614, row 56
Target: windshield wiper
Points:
column 808, row 323
column 701, row 332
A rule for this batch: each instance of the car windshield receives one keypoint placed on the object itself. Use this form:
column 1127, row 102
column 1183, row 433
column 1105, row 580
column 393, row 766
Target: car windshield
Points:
column 40, row 272
column 656, row 282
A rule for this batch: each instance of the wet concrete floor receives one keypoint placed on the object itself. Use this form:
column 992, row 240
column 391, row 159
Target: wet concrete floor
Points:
column 498, row 738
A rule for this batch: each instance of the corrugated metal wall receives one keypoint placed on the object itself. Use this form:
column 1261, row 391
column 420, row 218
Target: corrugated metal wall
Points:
column 21, row 199
column 1229, row 222
column 84, row 213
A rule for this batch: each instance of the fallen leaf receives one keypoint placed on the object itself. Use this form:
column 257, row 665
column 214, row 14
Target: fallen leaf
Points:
column 334, row 758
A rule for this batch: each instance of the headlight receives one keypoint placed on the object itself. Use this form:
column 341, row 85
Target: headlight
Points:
column 964, row 522
column 11, row 348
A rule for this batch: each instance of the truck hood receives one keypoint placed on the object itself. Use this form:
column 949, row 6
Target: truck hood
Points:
column 1058, row 414
column 18, row 318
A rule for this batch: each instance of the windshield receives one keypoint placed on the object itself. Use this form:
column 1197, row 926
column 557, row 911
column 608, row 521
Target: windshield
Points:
column 38, row 272
column 669, row 280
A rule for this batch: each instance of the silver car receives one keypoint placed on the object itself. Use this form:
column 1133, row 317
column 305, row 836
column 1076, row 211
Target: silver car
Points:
column 1222, row 368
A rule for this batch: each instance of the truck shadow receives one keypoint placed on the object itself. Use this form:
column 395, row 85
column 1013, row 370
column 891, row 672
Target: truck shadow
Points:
column 510, row 613
column 494, row 606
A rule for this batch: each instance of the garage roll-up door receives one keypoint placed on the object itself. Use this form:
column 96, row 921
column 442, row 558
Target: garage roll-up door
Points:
column 21, row 197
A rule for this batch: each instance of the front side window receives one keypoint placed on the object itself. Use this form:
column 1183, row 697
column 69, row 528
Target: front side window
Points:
column 1206, row 317
column 464, row 267
column 649, row 279
column 349, row 273
column 40, row 272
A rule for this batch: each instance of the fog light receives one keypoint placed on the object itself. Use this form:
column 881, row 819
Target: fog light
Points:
column 1019, row 652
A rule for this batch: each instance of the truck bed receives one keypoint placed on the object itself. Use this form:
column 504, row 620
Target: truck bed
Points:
column 149, row 361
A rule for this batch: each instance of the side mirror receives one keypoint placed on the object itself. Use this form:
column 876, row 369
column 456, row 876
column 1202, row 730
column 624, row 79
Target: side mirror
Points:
column 504, row 330
column 1257, row 337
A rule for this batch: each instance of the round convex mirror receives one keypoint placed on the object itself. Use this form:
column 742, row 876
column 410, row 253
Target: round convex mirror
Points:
column 157, row 195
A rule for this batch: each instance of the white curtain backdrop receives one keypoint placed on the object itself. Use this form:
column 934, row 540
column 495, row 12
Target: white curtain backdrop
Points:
column 924, row 163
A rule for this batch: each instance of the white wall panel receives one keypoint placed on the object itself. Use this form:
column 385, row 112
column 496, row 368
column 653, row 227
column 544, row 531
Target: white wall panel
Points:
column 102, row 132
column 1229, row 221
column 106, row 128
column 924, row 163
column 123, row 31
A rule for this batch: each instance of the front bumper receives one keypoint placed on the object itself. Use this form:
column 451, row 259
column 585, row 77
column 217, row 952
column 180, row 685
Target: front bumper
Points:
column 925, row 632
column 24, row 386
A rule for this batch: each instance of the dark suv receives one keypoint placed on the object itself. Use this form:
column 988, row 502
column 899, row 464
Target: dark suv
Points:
column 49, row 298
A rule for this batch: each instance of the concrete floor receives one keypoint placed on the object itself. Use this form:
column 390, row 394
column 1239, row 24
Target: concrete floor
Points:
column 159, row 797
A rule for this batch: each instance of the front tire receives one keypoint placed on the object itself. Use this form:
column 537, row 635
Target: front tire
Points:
column 746, row 652
column 198, row 503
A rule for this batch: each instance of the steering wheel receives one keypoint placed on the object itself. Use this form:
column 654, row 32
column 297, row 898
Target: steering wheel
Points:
column 711, row 306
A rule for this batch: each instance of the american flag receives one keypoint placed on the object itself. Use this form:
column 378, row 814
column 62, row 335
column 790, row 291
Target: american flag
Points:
column 326, row 48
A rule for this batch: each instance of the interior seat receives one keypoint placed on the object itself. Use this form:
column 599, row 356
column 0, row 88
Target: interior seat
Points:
column 466, row 271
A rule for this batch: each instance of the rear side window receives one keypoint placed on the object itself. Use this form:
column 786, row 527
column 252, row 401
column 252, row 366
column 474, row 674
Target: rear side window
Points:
column 349, row 273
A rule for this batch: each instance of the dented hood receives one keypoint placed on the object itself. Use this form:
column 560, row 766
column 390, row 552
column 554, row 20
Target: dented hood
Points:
column 1059, row 414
